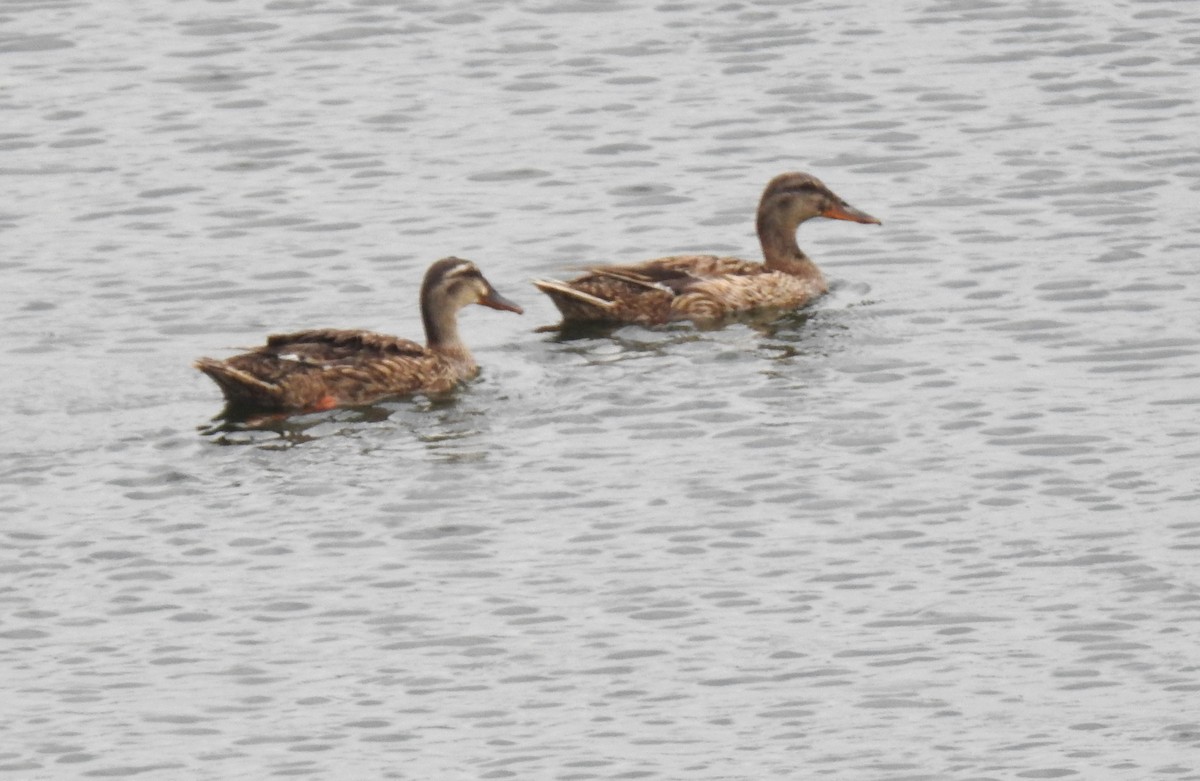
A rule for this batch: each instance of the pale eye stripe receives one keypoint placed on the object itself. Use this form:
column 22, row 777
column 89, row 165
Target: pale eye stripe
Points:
column 462, row 270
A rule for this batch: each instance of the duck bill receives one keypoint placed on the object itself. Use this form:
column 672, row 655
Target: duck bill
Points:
column 497, row 301
column 844, row 211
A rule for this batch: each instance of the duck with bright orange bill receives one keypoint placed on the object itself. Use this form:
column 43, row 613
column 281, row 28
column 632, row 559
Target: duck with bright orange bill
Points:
column 707, row 288
column 325, row 368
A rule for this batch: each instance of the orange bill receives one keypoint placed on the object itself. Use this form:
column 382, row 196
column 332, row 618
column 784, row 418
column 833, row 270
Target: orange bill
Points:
column 844, row 211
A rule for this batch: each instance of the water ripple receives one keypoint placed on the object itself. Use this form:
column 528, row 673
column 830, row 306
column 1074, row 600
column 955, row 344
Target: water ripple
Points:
column 954, row 497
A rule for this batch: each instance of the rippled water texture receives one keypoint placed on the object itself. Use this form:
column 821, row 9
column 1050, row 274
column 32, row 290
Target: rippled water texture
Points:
column 942, row 525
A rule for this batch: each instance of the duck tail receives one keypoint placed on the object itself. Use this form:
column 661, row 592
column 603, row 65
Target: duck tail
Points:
column 241, row 389
column 574, row 303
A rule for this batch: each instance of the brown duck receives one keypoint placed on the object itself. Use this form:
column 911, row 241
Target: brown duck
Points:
column 710, row 288
column 325, row 368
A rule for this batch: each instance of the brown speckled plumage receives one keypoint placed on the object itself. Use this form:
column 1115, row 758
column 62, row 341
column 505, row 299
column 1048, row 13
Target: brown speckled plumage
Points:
column 707, row 287
column 323, row 368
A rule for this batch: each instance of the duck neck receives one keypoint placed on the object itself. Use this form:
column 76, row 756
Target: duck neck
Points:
column 441, row 331
column 782, row 253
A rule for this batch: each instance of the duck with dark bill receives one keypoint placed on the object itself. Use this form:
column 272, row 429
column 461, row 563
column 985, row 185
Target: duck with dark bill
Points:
column 325, row 368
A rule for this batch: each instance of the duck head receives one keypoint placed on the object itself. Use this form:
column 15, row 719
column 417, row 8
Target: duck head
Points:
column 792, row 198
column 450, row 284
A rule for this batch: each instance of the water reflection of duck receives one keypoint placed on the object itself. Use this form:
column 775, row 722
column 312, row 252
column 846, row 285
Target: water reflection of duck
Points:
column 707, row 287
column 325, row 368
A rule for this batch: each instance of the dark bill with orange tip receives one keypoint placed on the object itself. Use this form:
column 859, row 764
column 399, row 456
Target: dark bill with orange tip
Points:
column 844, row 211
column 497, row 301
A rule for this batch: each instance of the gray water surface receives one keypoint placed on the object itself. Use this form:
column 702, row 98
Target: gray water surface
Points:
column 941, row 525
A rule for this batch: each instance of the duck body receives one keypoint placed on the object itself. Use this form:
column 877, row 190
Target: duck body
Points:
column 323, row 368
column 706, row 288
column 700, row 288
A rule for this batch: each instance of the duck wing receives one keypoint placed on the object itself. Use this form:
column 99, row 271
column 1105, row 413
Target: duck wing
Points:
column 640, row 292
column 331, row 345
column 670, row 270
